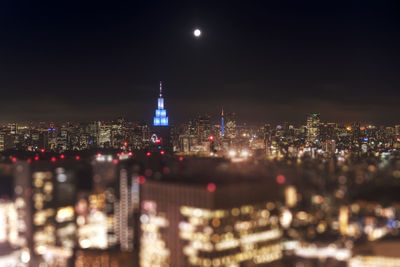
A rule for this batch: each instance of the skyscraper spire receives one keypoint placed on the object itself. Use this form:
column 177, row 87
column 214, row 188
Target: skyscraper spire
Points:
column 222, row 123
column 161, row 118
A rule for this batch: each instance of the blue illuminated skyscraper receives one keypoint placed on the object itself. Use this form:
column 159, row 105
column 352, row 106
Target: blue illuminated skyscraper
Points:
column 161, row 118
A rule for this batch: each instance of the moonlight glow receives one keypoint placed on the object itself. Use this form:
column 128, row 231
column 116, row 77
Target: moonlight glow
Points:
column 197, row 32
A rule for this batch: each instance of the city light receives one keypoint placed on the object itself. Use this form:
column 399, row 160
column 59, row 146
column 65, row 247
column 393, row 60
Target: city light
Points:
column 94, row 220
column 280, row 179
column 244, row 153
column 141, row 179
column 282, row 147
column 211, row 187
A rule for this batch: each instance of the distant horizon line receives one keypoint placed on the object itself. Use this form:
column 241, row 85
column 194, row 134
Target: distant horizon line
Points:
column 149, row 123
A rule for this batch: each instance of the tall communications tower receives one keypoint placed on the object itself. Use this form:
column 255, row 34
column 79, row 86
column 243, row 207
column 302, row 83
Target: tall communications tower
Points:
column 161, row 118
column 222, row 123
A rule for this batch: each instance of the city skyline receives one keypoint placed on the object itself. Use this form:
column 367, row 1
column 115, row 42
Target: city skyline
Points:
column 262, row 61
column 199, row 134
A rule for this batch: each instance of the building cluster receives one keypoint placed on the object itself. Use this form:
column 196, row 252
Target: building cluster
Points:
column 59, row 137
column 314, row 138
column 204, row 136
column 154, row 209
column 204, row 193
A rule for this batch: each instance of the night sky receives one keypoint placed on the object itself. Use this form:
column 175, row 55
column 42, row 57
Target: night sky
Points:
column 64, row 60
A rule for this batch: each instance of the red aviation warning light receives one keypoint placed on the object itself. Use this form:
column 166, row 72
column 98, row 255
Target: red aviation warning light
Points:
column 280, row 179
column 211, row 187
column 141, row 179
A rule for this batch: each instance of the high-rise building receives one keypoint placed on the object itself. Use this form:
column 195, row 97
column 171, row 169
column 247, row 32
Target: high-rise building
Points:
column 3, row 137
column 230, row 129
column 14, row 249
column 114, row 200
column 161, row 132
column 397, row 130
column 117, row 136
column 13, row 128
column 313, row 125
column 62, row 139
column 51, row 138
column 204, row 223
column 45, row 195
column 104, row 134
column 202, row 128
column 160, row 118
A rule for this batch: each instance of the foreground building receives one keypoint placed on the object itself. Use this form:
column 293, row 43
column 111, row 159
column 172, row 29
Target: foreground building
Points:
column 203, row 222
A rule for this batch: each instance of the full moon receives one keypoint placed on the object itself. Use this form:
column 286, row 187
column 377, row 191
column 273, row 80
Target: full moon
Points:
column 197, row 32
